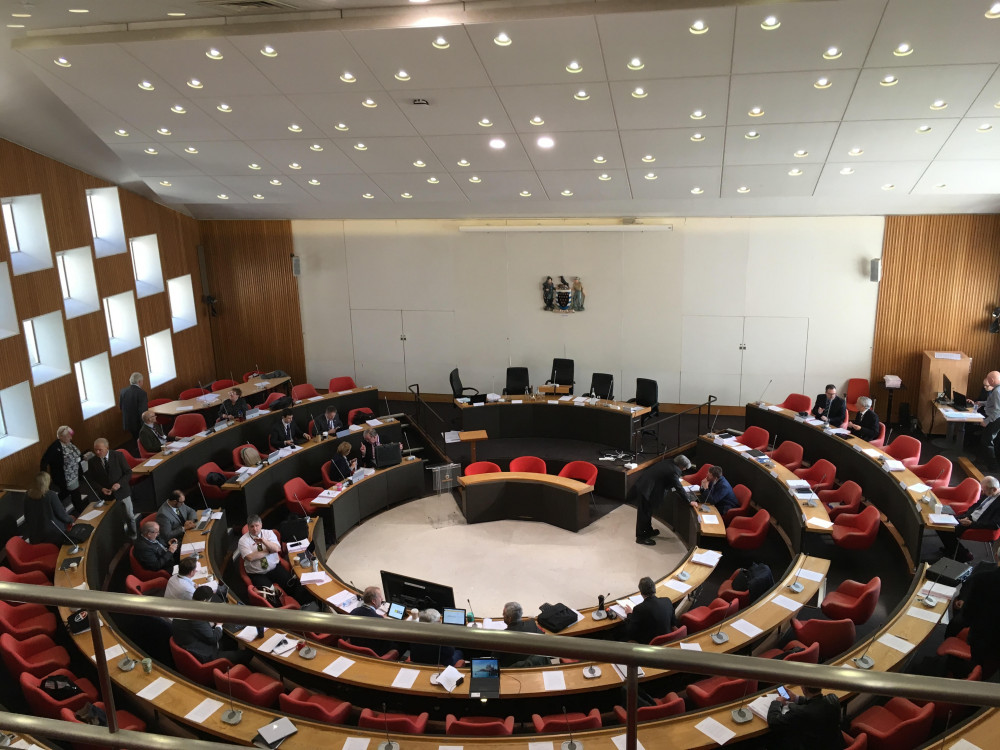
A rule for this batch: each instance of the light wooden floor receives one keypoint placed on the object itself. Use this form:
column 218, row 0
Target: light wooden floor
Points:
column 493, row 563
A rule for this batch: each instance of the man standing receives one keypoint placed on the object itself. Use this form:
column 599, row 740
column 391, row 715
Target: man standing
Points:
column 717, row 491
column 984, row 514
column 651, row 617
column 151, row 553
column 830, row 407
column 151, row 437
column 109, row 473
column 991, row 427
column 807, row 722
column 175, row 517
column 133, row 402
column 649, row 489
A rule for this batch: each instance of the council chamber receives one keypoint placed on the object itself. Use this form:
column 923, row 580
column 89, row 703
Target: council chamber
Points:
column 523, row 376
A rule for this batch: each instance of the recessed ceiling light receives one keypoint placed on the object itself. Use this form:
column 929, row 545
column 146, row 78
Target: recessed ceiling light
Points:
column 822, row 83
column 698, row 27
column 122, row 132
column 257, row 196
column 294, row 165
column 889, row 80
column 574, row 67
column 751, row 135
column 15, row 26
column 985, row 128
column 268, row 51
column 475, row 180
column 190, row 150
column 360, row 147
column 419, row 163
column 164, row 131
column 166, row 183
column 78, row 10
column 832, row 53
column 213, row 54
column 581, row 95
column 795, row 172
column 800, row 153
column 295, row 128
column 146, row 85
column 151, row 151
column 316, row 147
column 743, row 189
column 599, row 159
column 195, row 83
column 770, row 23
column 939, row 104
column 941, row 185
column 847, row 170
column 348, row 77
column 697, row 137
column 756, row 112
column 254, row 165
column 463, row 162
column 486, row 123
column 222, row 197
column 502, row 39
column 276, row 182
column 62, row 62
column 635, row 64
column 994, row 11
column 696, row 190
column 604, row 177
column 406, row 195
column 367, row 196
column 433, row 180
column 902, row 50
column 314, row 181
column 649, row 158
column 536, row 120
column 370, row 103
column 524, row 194
column 440, row 43
column 224, row 108
column 418, row 2
column 545, row 142
column 924, row 129
column 497, row 143
column 855, row 151
column 402, row 75
column 342, row 127
column 20, row 15
column 888, row 186
column 176, row 14
column 177, row 109
column 698, row 115
column 567, row 193
column 639, row 92
column 650, row 175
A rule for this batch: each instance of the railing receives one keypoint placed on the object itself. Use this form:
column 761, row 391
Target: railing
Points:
column 633, row 655
column 435, row 429
column 664, row 418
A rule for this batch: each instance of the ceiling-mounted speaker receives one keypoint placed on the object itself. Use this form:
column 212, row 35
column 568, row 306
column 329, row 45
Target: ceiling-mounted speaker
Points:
column 876, row 270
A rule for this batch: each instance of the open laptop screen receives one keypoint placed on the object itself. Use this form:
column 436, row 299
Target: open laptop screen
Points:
column 453, row 616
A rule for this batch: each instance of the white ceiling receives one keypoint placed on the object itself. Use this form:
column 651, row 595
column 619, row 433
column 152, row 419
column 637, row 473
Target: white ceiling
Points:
column 655, row 153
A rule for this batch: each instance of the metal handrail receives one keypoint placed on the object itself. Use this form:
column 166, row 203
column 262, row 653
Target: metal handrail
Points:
column 434, row 434
column 664, row 418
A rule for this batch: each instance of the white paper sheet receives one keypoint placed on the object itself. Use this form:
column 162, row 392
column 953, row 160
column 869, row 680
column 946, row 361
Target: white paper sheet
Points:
column 710, row 519
column 317, row 578
column 964, row 744
column 203, row 710
column 151, row 462
column 709, row 558
column 112, row 652
column 747, row 628
column 938, row 590
column 893, row 465
column 676, row 585
column 338, row 666
column 541, row 746
column 155, row 688
column 790, row 604
column 554, row 680
column 796, row 482
column 895, row 642
column 919, row 487
column 943, row 519
column 924, row 614
column 715, row 731
column 248, row 634
column 448, row 678
column 90, row 515
column 619, row 741
column 356, row 743
column 691, row 646
column 871, row 452
column 374, row 422
column 819, row 523
column 217, row 515
column 192, row 547
column 405, row 678
column 184, row 408
column 810, row 575
column 490, row 624
column 761, row 705
column 344, row 599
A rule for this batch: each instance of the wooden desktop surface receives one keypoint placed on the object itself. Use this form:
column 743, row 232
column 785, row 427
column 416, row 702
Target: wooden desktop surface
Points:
column 555, row 400
column 565, row 483
column 250, row 387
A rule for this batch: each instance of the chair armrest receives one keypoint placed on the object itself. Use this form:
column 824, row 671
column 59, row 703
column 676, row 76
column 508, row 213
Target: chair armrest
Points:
column 467, row 388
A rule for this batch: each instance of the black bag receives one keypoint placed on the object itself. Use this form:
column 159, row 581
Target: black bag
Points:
column 759, row 580
column 80, row 532
column 78, row 622
column 91, row 714
column 215, row 478
column 556, row 617
column 280, row 403
column 294, row 529
column 388, row 454
column 59, row 687
column 271, row 596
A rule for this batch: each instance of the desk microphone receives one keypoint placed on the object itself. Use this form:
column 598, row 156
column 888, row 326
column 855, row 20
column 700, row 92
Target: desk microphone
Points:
column 570, row 744
column 299, row 503
column 469, row 617
column 387, row 410
column 761, row 399
column 356, row 590
column 76, row 547
column 126, row 663
column 319, row 432
column 742, row 714
column 388, row 744
column 600, row 613
column 944, row 733
column 865, row 661
column 233, row 716
column 718, row 637
column 795, row 585
column 711, row 430
column 99, row 502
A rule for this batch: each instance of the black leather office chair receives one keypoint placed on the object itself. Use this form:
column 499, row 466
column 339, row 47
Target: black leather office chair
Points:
column 562, row 373
column 647, row 393
column 602, row 385
column 457, row 390
column 517, row 381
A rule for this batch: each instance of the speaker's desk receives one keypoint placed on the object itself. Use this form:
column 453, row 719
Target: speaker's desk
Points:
column 213, row 400
column 526, row 496
column 955, row 422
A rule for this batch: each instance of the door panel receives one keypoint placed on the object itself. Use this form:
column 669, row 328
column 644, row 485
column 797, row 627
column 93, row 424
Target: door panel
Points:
column 710, row 358
column 429, row 348
column 775, row 348
column 378, row 349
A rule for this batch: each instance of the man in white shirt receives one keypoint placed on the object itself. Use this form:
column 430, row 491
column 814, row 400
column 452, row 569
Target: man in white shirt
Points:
column 260, row 549
column 181, row 585
column 984, row 514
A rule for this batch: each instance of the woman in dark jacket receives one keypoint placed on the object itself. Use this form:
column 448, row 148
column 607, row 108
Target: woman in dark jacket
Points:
column 62, row 461
column 44, row 514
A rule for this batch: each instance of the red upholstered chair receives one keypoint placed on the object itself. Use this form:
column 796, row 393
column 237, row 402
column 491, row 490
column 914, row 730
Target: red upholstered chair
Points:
column 148, row 518
column 989, row 537
column 856, row 388
column 481, row 467
column 343, row 383
column 582, row 471
column 807, row 655
column 213, row 493
column 755, row 437
column 221, row 385
column 847, row 498
column 478, row 726
column 796, row 402
column 43, row 704
column 575, row 721
column 253, row 687
column 833, row 636
column 898, row 725
column 855, row 743
column 854, row 600
column 251, row 374
column 256, row 600
column 936, row 472
column 330, row 475
column 857, row 530
column 719, row 689
column 821, row 475
column 34, row 577
column 727, row 592
column 125, row 719
column 698, row 475
column 140, row 572
column 303, row 391
column 906, row 449
column 25, row 620
column 700, row 618
column 879, row 441
column 186, row 425
column 749, row 533
column 669, row 705
column 297, row 496
column 788, row 454
column 361, row 410
column 189, row 666
column 132, row 461
column 947, row 712
column 145, row 588
column 25, row 558
column 674, row 635
column 962, row 496
column 161, row 419
column 271, row 398
column 192, row 393
column 400, row 723
column 314, row 706
column 391, row 655
column 37, row 655
column 956, row 646
column 743, row 495
column 530, row 464
column 237, row 461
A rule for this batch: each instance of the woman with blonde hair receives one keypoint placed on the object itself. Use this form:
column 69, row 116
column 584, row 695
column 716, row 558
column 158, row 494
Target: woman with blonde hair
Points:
column 62, row 460
column 44, row 514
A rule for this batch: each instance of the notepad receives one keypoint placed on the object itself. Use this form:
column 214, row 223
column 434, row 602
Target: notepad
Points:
column 789, row 604
column 248, row 634
column 203, row 710
column 192, row 547
column 338, row 666
column 715, row 731
column 155, row 688
column 554, row 680
column 318, row 578
column 919, row 487
column 747, row 628
column 405, row 678
column 709, row 557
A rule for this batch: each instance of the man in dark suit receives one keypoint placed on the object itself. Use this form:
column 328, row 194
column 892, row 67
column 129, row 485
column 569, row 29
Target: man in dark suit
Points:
column 716, row 490
column 175, row 517
column 109, row 473
column 286, row 431
column 513, row 617
column 234, row 407
column 200, row 638
column 984, row 514
column 151, row 553
column 867, row 425
column 809, row 722
column 329, row 422
column 151, row 436
column 651, row 617
column 371, row 600
column 133, row 402
column 649, row 489
column 979, row 607
column 830, row 407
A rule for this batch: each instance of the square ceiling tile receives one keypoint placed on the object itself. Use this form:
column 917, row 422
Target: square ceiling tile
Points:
column 790, row 97
column 453, row 111
column 778, row 144
column 676, row 182
column 915, row 91
column 340, row 188
column 283, row 153
column 769, row 181
column 892, row 140
column 387, row 155
column 673, row 148
column 869, row 178
column 396, row 186
column 558, row 108
column 248, row 187
column 329, row 111
column 977, row 138
column 951, row 33
column 477, row 151
column 501, row 186
column 670, row 102
column 978, row 177
column 584, row 186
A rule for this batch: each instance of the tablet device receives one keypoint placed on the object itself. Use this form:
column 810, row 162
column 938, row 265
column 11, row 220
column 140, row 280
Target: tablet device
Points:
column 396, row 611
column 453, row 616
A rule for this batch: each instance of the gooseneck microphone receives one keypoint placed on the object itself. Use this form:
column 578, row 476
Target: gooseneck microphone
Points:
column 761, row 399
column 99, row 501
column 469, row 617
column 570, row 744
column 742, row 714
column 601, row 613
column 718, row 637
column 233, row 716
column 711, row 430
column 795, row 585
column 865, row 661
column 388, row 744
column 76, row 547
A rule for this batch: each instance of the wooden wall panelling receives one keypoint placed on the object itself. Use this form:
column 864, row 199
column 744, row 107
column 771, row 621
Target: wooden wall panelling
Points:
column 940, row 281
column 250, row 274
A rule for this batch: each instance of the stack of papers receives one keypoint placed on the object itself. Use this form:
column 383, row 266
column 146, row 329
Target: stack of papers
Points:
column 673, row 583
column 345, row 600
column 943, row 519
column 319, row 577
column 796, row 482
column 819, row 523
column 762, row 704
column 893, row 465
column 184, row 408
column 940, row 590
column 708, row 557
column 374, row 422
column 871, row 452
column 893, row 381
column 489, row 624
column 709, row 519
column 565, row 398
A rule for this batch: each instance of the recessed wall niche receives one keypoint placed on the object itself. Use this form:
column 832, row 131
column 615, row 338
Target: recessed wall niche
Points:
column 122, row 323
column 182, row 310
column 146, row 265
column 77, row 282
column 106, row 226
column 93, row 381
column 18, row 429
column 45, row 339
column 160, row 358
column 27, row 236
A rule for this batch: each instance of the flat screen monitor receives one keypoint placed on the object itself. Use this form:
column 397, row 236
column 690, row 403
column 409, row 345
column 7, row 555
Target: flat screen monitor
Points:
column 453, row 616
column 413, row 592
column 946, row 388
column 485, row 678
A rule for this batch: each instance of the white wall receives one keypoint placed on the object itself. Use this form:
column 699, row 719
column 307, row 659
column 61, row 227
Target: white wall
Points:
column 642, row 289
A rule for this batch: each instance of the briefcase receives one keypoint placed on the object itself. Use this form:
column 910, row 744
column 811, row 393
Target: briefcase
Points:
column 949, row 572
column 388, row 454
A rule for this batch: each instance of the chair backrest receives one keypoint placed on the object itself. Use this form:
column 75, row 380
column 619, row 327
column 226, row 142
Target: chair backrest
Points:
column 405, row 723
column 856, row 388
column 866, row 519
column 482, row 467
column 674, row 635
column 250, row 374
column 903, row 447
column 342, row 383
column 456, row 383
column 823, row 472
column 755, row 437
column 220, row 385
column 562, row 371
column 187, row 425
column 647, row 392
column 531, row 464
column 808, row 655
column 879, row 441
column 191, row 393
column 602, row 385
column 583, row 471
column 788, row 452
column 743, row 494
column 271, row 398
column 797, row 402
column 938, row 469
column 833, row 636
column 131, row 460
column 303, row 391
column 296, row 487
column 518, row 381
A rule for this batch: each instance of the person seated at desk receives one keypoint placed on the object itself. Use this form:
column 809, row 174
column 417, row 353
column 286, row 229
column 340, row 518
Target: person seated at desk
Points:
column 651, row 617
column 512, row 617
column 977, row 607
column 343, row 466
column 329, row 423
column 45, row 516
column 175, row 517
column 151, row 435
column 260, row 548
column 371, row 601
column 150, row 552
column 181, row 585
column 649, row 489
column 234, row 407
column 200, row 638
column 716, row 490
column 807, row 722
column 830, row 407
column 866, row 427
column 984, row 514
column 369, row 443
column 286, row 432
column 432, row 653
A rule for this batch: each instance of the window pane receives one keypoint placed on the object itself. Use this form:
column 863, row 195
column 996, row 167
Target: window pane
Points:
column 29, row 340
column 63, row 278
column 8, row 222
column 3, row 424
column 81, row 382
column 107, row 319
column 90, row 209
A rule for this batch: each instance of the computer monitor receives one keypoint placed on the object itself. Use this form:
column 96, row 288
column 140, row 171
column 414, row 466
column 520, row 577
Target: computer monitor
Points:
column 453, row 616
column 485, row 679
column 414, row 592
column 946, row 388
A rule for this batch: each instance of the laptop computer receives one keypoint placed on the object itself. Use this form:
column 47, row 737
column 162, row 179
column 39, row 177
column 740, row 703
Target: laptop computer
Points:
column 959, row 401
column 272, row 457
column 485, row 679
column 206, row 516
column 396, row 611
column 453, row 616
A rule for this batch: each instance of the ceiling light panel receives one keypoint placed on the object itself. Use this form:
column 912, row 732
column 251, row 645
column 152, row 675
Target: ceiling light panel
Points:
column 560, row 110
column 770, row 181
column 673, row 148
column 585, row 186
column 337, row 188
column 940, row 34
column 868, row 179
column 164, row 164
column 195, row 189
column 326, row 111
column 453, row 110
column 893, row 140
column 503, row 186
column 220, row 157
column 778, row 142
column 450, row 148
column 918, row 87
column 961, row 177
column 287, row 193
column 261, row 117
column 670, row 102
column 388, row 155
column 789, row 97
column 393, row 185
column 675, row 183
column 330, row 160
column 969, row 142
column 576, row 150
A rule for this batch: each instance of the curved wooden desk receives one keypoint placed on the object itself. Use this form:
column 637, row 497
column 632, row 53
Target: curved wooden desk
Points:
column 525, row 496
column 251, row 387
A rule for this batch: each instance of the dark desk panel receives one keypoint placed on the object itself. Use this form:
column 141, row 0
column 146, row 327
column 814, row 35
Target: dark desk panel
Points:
column 502, row 498
column 382, row 490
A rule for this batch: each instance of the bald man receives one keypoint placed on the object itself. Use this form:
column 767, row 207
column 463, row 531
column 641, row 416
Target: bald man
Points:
column 991, row 427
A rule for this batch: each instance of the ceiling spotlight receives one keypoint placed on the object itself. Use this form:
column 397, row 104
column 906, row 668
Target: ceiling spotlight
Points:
column 639, row 93
column 536, row 120
column 795, row 172
column 649, row 158
column 497, row 143
column 78, row 10
column 502, row 39
column 122, row 132
column 903, row 50
column 751, row 135
column 370, row 103
column 195, row 83
column 650, row 175
column 475, row 180
column 847, row 170
column 419, row 163
column 697, row 137
column 295, row 128
column 822, row 83
column 581, row 96
column 984, row 128
column 994, row 11
column 62, row 62
column 190, row 150
column 15, row 26
column 770, row 23
column 486, row 122
column 314, row 181
column 696, row 190
column 257, row 196
column 222, row 197
column 697, row 115
column 433, row 180
column 440, row 43
column 939, row 104
column 166, row 183
column 756, row 112
column 276, row 182
column 698, row 27
column 545, row 142
column 254, row 165
column 402, row 75
column 316, row 147
column 406, row 195
column 360, row 147
column 342, row 127
column 855, row 151
column 178, row 109
column 924, row 129
column 743, row 189
column 600, row 159
column 567, row 193
column 146, row 86
column 348, row 77
column 213, row 54
column 224, row 108
column 800, row 153
column 294, row 165
column 151, row 151
column 941, row 185
column 164, row 131
column 20, row 15
column 889, row 80
column 524, row 194
column 268, row 51
column 367, row 196
column 604, row 177
column 463, row 162
column 832, row 53
column 635, row 64
column 888, row 186
column 574, row 67
column 176, row 14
